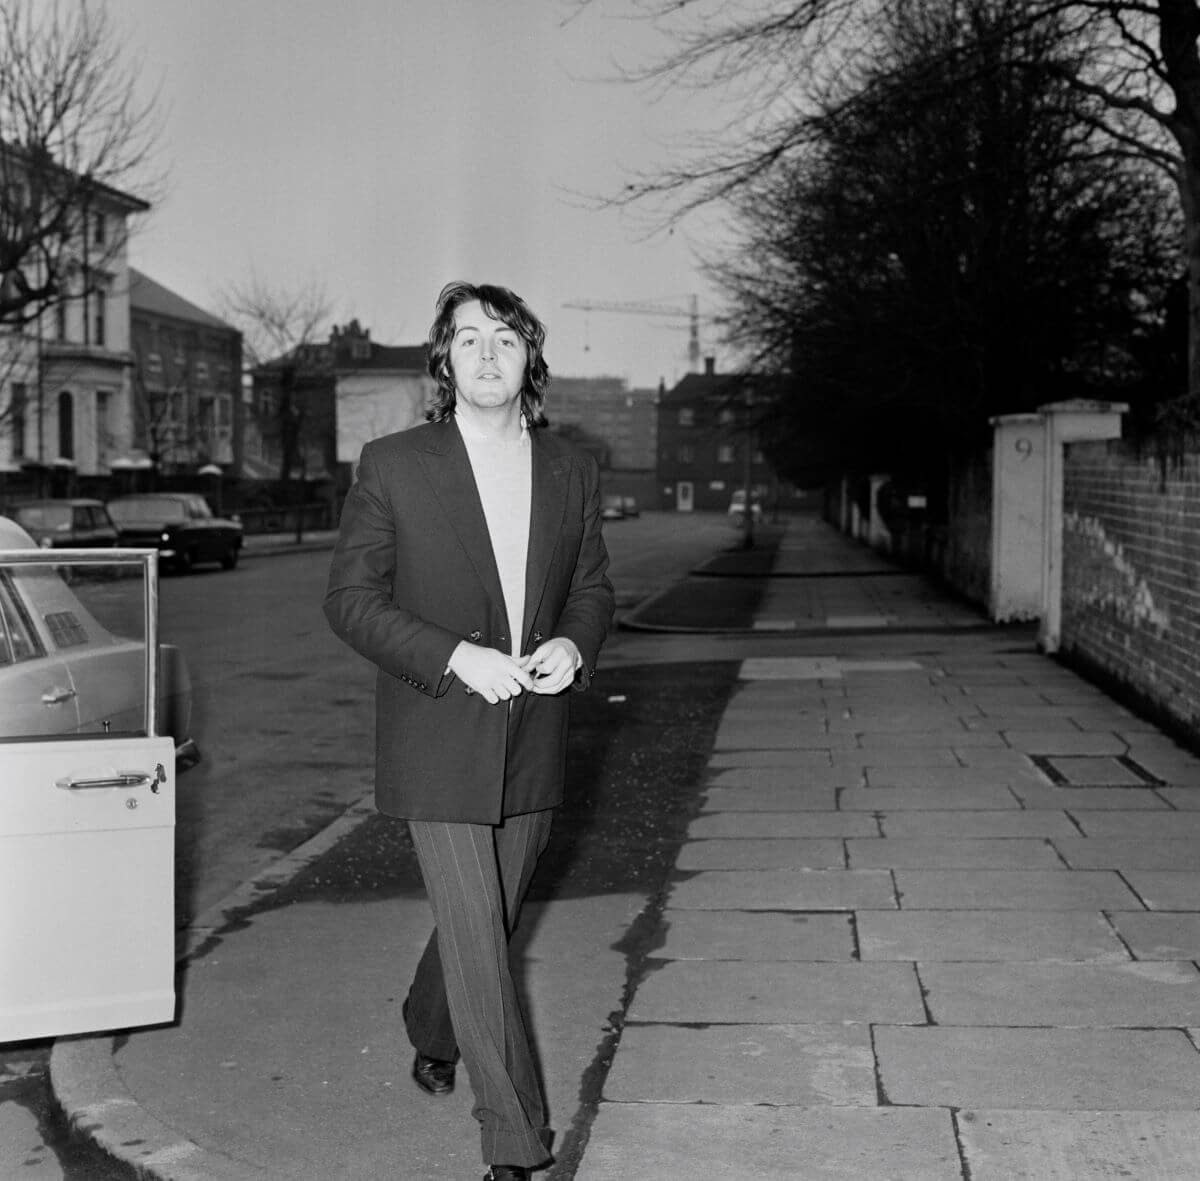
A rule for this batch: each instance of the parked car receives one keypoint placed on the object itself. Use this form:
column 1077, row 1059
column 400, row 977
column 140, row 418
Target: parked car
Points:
column 737, row 507
column 63, row 672
column 181, row 525
column 611, row 509
column 76, row 523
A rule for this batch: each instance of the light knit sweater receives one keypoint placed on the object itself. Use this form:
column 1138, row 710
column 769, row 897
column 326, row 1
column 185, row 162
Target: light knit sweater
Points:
column 503, row 470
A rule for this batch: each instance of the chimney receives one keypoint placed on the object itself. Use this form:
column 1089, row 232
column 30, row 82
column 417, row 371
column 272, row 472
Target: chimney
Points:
column 710, row 366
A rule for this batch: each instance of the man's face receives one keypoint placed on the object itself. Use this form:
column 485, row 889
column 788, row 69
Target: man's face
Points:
column 487, row 358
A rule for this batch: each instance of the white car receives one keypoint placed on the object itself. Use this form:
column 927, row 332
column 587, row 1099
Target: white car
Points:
column 94, row 715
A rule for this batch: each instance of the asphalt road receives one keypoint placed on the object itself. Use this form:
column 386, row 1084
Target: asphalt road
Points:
column 284, row 720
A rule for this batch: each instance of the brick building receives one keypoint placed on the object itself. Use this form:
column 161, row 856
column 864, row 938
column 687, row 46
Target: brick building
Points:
column 187, row 374
column 702, row 443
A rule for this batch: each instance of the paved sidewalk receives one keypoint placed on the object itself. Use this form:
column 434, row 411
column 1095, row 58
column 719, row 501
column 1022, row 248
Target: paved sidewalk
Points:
column 936, row 919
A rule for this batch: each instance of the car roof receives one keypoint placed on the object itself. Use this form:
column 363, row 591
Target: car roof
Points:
column 155, row 496
column 72, row 500
column 12, row 536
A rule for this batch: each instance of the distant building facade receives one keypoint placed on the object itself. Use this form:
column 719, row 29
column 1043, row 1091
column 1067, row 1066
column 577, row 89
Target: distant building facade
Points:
column 704, row 449
column 65, row 391
column 187, row 379
column 347, row 391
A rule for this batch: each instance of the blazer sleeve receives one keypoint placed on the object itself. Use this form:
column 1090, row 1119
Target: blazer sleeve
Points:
column 587, row 613
column 362, row 602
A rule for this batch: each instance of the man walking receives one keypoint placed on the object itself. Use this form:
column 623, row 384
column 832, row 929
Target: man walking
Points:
column 471, row 570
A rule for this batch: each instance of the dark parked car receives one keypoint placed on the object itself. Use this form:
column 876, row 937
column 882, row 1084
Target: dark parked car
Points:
column 181, row 525
column 70, row 524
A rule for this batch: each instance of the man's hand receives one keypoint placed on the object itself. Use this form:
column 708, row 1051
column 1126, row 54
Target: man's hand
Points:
column 553, row 665
column 493, row 675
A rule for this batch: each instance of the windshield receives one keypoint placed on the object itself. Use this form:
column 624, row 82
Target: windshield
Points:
column 44, row 516
column 146, row 509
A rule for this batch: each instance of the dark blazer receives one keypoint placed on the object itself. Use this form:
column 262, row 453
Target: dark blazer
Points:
column 413, row 574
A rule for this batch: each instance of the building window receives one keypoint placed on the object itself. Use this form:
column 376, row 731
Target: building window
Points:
column 726, row 417
column 687, row 453
column 687, row 416
column 66, row 426
column 102, row 432
column 726, row 453
column 99, row 311
column 60, row 319
column 17, row 406
column 99, row 229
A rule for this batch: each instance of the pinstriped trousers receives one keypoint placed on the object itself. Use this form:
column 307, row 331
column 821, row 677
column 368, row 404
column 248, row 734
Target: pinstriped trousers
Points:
column 462, row 998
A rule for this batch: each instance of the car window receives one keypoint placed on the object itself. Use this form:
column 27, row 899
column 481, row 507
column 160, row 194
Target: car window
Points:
column 198, row 509
column 18, row 641
column 44, row 516
column 146, row 509
column 72, row 645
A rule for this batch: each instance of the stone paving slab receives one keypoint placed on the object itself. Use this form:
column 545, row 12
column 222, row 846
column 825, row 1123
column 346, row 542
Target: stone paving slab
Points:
column 1165, row 889
column 784, row 889
column 863, row 761
column 942, row 853
column 1116, row 853
column 1159, row 993
column 753, row 825
column 777, row 738
column 769, row 758
column 989, row 936
column 952, row 738
column 1090, row 799
column 783, row 992
column 927, row 799
column 1000, row 889
column 1003, row 824
column 1080, row 1145
column 1146, row 825
column 955, row 778
column 780, row 777
column 781, row 1065
column 797, row 798
column 1066, row 742
column 751, row 935
column 683, row 1142
column 1047, row 1069
column 1169, row 770
column 812, row 853
column 1184, row 798
column 1158, row 936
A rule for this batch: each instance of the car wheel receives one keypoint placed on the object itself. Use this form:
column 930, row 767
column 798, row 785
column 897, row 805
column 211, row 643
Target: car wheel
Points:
column 183, row 562
column 229, row 559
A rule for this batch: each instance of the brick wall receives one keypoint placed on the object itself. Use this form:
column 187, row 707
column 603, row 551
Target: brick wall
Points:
column 1131, row 574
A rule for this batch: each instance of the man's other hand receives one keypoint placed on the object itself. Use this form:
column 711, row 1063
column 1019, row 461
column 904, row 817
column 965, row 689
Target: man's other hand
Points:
column 553, row 665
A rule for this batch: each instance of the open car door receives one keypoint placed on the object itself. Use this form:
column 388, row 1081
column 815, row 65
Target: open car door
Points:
column 87, row 794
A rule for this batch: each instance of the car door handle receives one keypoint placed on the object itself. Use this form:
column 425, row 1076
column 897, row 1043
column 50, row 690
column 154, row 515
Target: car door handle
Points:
column 57, row 696
column 149, row 779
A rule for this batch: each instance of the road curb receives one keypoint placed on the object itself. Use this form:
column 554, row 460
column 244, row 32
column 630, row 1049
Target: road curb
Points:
column 88, row 1087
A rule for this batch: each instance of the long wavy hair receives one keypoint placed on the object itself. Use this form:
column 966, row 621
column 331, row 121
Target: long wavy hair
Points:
column 507, row 307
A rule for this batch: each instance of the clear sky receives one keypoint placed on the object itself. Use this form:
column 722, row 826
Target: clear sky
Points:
column 383, row 147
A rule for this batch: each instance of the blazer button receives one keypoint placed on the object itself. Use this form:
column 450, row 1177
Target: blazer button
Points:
column 476, row 636
column 537, row 637
column 469, row 691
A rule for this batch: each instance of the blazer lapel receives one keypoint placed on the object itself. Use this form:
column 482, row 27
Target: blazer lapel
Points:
column 453, row 482
column 549, row 502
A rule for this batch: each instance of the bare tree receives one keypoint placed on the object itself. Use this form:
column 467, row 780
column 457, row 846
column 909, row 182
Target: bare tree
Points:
column 73, row 137
column 782, row 62
column 285, row 341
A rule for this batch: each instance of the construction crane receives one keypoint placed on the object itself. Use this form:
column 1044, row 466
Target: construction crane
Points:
column 691, row 313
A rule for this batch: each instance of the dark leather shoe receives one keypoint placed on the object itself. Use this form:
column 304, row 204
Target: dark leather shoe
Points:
column 434, row 1075
column 507, row 1173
